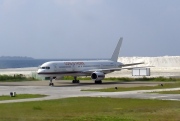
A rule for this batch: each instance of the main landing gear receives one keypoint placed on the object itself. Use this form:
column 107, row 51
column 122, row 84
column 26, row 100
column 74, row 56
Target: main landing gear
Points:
column 98, row 81
column 75, row 80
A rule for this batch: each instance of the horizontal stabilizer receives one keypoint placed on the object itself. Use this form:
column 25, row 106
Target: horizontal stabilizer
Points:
column 131, row 64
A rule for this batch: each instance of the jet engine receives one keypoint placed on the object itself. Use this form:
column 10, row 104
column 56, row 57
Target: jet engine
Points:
column 97, row 76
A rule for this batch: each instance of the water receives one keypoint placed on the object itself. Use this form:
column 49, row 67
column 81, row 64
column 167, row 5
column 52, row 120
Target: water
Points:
column 28, row 63
column 22, row 63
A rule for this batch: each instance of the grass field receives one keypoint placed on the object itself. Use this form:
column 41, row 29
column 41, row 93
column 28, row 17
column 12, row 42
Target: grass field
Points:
column 119, row 89
column 92, row 109
column 20, row 96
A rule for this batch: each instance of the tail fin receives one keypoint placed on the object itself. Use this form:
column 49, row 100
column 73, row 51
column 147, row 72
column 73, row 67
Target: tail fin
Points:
column 116, row 51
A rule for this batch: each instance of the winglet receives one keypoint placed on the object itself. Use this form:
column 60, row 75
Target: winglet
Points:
column 116, row 51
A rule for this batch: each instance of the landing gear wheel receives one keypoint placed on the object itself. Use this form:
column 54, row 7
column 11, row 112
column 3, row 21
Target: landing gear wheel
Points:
column 51, row 84
column 50, row 81
column 75, row 81
column 98, row 82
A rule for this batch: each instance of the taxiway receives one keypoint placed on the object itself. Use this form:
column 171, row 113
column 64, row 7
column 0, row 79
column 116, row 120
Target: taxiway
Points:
column 65, row 89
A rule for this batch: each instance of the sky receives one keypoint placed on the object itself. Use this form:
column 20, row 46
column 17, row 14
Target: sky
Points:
column 45, row 29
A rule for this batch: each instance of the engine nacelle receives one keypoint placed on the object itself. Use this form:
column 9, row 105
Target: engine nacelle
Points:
column 97, row 76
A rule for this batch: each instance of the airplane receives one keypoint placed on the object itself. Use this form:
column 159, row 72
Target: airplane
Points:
column 96, row 69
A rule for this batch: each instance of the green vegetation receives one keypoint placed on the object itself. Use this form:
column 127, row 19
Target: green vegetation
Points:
column 16, row 77
column 168, row 92
column 34, row 76
column 163, row 79
column 119, row 89
column 20, row 96
column 72, row 78
column 92, row 109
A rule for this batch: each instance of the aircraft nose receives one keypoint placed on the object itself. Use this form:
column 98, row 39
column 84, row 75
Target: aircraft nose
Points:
column 39, row 71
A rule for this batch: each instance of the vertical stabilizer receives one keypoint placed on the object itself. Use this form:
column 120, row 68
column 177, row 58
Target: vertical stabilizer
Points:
column 116, row 51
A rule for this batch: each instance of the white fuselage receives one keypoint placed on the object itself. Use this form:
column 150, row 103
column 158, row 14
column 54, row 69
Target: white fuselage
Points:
column 76, row 68
column 94, row 68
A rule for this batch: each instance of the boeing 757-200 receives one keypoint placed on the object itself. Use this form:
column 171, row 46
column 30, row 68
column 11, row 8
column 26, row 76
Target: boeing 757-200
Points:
column 96, row 69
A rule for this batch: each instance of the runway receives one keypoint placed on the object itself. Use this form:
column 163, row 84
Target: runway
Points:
column 65, row 89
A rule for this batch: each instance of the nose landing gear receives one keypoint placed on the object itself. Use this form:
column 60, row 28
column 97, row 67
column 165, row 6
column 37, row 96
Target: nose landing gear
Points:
column 50, row 82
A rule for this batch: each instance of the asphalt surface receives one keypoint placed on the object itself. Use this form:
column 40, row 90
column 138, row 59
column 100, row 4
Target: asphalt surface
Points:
column 65, row 89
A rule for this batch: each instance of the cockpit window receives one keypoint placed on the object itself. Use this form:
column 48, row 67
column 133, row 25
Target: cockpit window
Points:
column 45, row 67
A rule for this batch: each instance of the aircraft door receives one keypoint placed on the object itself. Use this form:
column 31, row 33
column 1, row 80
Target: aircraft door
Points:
column 55, row 67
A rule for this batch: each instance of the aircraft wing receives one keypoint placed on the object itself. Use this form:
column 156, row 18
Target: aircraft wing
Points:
column 112, row 69
column 102, row 70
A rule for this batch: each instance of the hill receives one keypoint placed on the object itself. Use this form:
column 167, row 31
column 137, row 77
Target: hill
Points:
column 15, row 58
